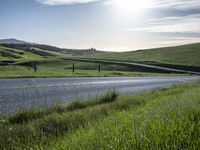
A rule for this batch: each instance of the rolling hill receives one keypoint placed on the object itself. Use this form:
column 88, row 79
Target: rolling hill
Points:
column 7, row 54
column 188, row 55
column 45, row 50
column 18, row 59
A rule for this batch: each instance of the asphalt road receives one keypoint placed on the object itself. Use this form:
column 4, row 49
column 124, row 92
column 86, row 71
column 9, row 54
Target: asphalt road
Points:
column 42, row 92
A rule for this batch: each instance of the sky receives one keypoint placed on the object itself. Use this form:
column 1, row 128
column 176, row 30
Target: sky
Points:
column 111, row 25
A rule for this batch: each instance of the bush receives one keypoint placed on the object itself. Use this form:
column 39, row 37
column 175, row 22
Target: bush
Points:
column 25, row 115
column 77, row 104
column 108, row 97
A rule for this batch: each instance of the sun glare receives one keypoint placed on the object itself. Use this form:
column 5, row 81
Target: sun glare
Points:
column 131, row 5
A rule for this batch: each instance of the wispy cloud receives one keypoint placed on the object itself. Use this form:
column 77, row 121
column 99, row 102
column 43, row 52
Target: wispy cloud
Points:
column 171, row 30
column 171, row 24
column 167, row 21
column 64, row 2
column 178, row 4
column 176, row 19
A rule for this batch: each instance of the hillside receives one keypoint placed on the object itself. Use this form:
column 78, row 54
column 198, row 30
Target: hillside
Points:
column 181, row 55
column 16, row 54
column 17, row 60
column 29, row 48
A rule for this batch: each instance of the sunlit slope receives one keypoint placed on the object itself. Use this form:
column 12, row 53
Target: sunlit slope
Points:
column 182, row 55
column 27, row 53
column 16, row 54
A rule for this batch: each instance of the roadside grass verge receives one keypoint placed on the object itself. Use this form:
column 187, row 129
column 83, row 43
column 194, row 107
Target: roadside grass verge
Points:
column 39, row 126
column 106, row 123
column 167, row 122
column 26, row 115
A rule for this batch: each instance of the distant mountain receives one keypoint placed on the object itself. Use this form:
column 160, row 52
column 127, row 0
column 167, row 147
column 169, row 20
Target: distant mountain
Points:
column 27, row 46
column 12, row 41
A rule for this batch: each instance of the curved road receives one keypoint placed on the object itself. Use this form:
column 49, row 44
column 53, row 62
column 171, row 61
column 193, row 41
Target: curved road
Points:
column 39, row 92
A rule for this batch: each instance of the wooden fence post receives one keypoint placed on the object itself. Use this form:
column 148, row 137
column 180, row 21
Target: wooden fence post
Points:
column 73, row 68
column 99, row 69
column 35, row 66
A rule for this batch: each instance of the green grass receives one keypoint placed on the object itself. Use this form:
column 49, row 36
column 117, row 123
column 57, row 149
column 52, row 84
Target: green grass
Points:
column 26, row 115
column 165, row 119
column 26, row 54
column 17, row 55
column 181, row 55
column 52, row 64
column 13, row 71
column 55, row 67
column 167, row 122
column 37, row 126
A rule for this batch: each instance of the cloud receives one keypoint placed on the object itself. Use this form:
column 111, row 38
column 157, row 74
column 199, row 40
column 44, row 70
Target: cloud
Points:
column 178, row 4
column 168, row 20
column 185, row 27
column 64, row 2
column 189, row 23
column 160, row 4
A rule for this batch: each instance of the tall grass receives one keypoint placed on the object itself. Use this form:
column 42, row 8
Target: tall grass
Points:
column 26, row 115
column 29, row 126
column 109, row 122
column 170, row 122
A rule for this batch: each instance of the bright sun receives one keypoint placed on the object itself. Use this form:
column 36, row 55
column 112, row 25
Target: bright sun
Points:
column 131, row 5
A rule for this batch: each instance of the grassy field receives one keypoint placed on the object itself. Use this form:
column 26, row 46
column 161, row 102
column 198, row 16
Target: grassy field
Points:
column 181, row 55
column 16, row 54
column 57, row 67
column 26, row 72
column 50, row 62
column 165, row 119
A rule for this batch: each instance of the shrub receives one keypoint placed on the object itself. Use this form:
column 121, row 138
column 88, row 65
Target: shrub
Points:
column 25, row 115
column 77, row 104
column 108, row 97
